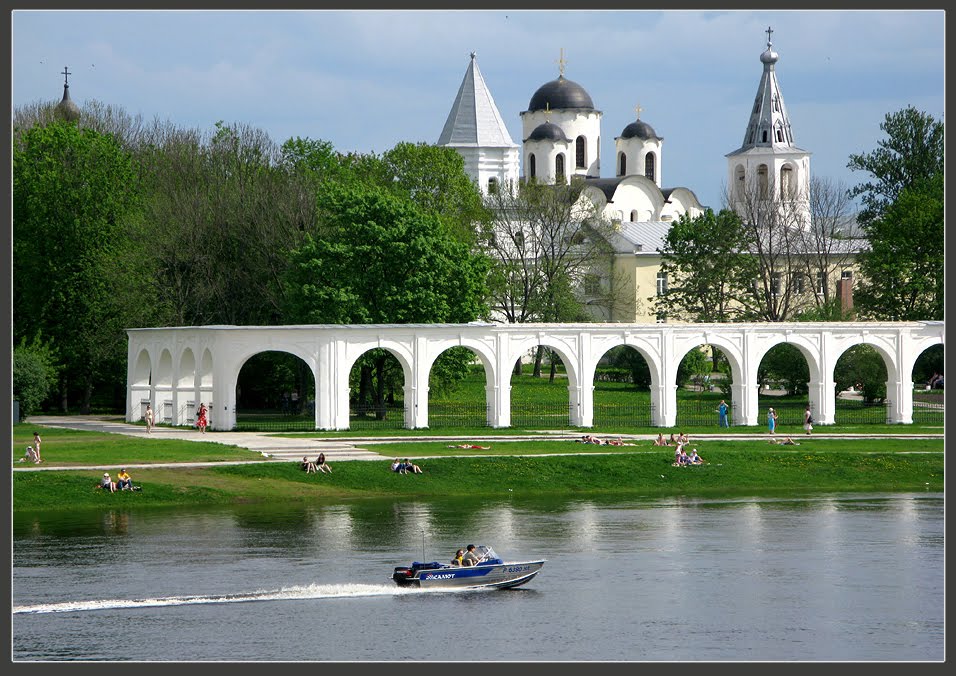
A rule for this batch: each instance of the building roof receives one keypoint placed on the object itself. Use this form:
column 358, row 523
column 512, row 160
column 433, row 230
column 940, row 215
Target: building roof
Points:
column 643, row 237
column 548, row 131
column 639, row 129
column 474, row 120
column 560, row 94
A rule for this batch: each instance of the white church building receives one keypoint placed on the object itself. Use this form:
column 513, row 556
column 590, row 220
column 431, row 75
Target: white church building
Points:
column 561, row 131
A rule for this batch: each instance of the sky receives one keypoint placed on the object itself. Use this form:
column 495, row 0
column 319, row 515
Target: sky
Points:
column 366, row 80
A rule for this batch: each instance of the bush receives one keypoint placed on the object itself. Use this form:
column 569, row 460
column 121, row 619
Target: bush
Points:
column 34, row 374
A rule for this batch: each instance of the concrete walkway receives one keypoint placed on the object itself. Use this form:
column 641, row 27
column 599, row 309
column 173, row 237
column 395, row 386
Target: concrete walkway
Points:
column 336, row 449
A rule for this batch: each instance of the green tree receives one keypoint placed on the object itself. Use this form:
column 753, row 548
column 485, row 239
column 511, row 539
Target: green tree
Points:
column 76, row 200
column 704, row 268
column 785, row 364
column 34, row 374
column 862, row 368
column 912, row 153
column 903, row 270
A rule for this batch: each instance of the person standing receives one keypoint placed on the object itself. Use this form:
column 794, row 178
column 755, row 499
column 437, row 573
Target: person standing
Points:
column 772, row 421
column 148, row 417
column 722, row 414
column 807, row 420
column 201, row 418
column 36, row 445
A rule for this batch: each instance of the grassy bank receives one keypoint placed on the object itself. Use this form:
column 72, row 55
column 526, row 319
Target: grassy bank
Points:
column 750, row 467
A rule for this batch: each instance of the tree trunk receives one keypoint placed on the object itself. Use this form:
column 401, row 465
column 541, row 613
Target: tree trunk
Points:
column 554, row 370
column 538, row 355
column 64, row 399
column 87, row 397
column 517, row 368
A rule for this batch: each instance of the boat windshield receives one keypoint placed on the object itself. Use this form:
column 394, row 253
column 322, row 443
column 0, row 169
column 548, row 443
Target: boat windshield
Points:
column 485, row 553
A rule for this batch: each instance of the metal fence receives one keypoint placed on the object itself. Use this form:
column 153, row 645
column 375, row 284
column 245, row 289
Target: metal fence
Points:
column 623, row 415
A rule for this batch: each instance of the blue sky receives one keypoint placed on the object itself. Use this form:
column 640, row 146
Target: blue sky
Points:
column 368, row 79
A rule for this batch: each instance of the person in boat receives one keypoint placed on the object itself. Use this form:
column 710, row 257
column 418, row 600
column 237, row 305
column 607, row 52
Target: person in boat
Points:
column 321, row 465
column 456, row 561
column 308, row 465
column 470, row 558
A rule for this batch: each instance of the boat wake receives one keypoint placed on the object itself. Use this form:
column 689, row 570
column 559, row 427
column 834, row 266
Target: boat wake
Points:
column 312, row 591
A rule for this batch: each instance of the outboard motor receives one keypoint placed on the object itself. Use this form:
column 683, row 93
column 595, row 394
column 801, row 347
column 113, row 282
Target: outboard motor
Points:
column 403, row 575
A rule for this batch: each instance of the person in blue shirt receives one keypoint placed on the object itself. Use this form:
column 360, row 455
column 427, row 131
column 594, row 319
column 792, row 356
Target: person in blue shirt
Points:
column 722, row 411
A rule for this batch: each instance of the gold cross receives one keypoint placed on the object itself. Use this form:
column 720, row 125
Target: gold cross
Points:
column 561, row 63
column 638, row 109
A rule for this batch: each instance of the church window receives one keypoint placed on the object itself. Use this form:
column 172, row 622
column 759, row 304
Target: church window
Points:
column 764, row 137
column 787, row 187
column 846, row 274
column 739, row 183
column 661, row 283
column 531, row 166
column 580, row 156
column 779, row 135
column 493, row 186
column 762, row 181
column 635, row 217
column 649, row 165
column 622, row 164
column 559, row 167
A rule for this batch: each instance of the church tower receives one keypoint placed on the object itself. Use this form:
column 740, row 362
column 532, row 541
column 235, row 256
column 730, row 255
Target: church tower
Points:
column 768, row 166
column 66, row 109
column 639, row 151
column 561, row 132
column 475, row 129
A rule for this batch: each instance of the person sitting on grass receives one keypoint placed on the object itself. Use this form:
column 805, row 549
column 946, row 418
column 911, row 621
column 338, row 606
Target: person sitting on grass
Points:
column 107, row 484
column 412, row 468
column 695, row 459
column 673, row 440
column 30, row 455
column 684, row 458
column 123, row 481
column 321, row 465
column 677, row 455
column 660, row 441
column 398, row 466
column 308, row 465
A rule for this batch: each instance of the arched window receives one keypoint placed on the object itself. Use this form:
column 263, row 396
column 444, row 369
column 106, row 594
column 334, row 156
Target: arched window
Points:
column 739, row 186
column 559, row 167
column 531, row 167
column 762, row 181
column 649, row 166
column 580, row 154
column 621, row 164
column 634, row 216
column 779, row 135
column 764, row 136
column 787, row 187
column 493, row 186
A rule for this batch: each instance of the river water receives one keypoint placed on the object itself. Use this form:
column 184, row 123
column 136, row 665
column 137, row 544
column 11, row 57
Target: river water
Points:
column 825, row 578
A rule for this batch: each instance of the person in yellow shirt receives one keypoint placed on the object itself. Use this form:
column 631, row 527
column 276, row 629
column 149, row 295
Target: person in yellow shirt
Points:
column 123, row 482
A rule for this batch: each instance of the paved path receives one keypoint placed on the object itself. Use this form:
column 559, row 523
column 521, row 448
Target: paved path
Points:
column 291, row 449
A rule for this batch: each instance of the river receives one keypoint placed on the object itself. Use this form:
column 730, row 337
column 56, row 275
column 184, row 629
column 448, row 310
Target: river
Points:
column 826, row 578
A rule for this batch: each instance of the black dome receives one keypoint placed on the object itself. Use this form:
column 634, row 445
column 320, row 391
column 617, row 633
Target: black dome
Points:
column 639, row 130
column 547, row 132
column 560, row 93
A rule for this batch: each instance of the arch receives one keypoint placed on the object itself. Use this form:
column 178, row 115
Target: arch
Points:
column 187, row 369
column 275, row 385
column 164, row 370
column 359, row 409
column 445, row 413
column 928, row 377
column 641, row 411
column 580, row 152
column 843, row 347
column 621, row 164
column 650, row 162
column 493, row 185
column 635, row 216
column 763, row 179
column 205, row 369
column 142, row 372
column 559, row 167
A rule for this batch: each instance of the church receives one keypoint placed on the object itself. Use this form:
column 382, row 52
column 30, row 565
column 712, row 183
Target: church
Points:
column 561, row 131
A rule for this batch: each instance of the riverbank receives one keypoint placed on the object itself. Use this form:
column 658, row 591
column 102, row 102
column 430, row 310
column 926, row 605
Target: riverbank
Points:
column 515, row 469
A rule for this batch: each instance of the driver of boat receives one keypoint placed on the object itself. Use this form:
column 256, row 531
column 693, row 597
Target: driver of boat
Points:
column 470, row 558
column 457, row 560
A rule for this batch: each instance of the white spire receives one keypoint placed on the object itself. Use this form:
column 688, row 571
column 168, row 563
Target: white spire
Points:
column 474, row 120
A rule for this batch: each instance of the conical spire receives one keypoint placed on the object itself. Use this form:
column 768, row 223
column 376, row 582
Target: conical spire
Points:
column 66, row 109
column 474, row 119
column 769, row 125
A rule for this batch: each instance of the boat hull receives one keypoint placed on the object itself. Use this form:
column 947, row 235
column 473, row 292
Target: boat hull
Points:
column 495, row 576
